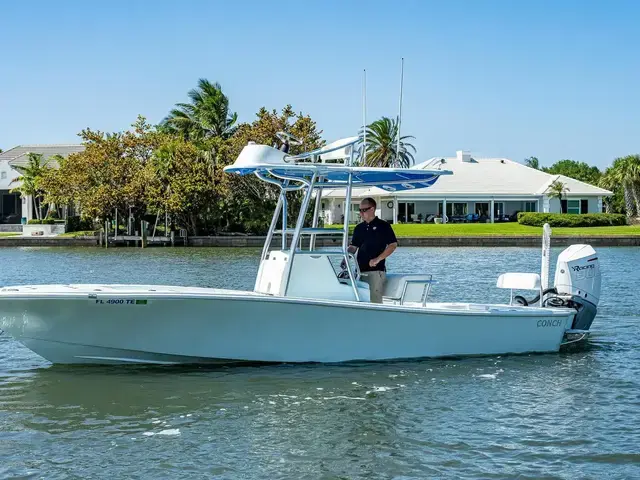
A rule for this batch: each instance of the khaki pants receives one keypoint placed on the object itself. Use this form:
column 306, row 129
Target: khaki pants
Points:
column 376, row 281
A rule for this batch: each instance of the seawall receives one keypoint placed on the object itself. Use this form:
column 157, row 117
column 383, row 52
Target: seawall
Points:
column 256, row 241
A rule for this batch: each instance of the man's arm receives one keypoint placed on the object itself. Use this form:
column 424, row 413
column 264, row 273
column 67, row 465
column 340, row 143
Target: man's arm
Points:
column 392, row 244
column 385, row 253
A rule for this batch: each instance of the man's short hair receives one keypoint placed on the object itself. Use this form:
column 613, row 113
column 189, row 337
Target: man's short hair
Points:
column 370, row 201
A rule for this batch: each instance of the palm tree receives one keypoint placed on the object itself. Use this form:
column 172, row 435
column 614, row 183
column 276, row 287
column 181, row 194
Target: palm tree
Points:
column 633, row 170
column 206, row 116
column 30, row 175
column 607, row 181
column 625, row 171
column 382, row 145
column 532, row 162
column 558, row 190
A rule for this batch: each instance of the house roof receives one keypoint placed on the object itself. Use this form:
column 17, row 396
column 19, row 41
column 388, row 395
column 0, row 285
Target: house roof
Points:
column 484, row 177
column 19, row 156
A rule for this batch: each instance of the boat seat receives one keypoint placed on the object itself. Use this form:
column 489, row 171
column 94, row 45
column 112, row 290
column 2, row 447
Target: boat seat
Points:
column 415, row 286
column 519, row 281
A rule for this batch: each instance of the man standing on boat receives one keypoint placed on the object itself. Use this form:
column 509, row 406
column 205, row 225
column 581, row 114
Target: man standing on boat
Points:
column 375, row 240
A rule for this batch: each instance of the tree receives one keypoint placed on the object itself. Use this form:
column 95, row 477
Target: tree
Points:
column 615, row 203
column 181, row 182
column 532, row 162
column 576, row 170
column 625, row 173
column 382, row 145
column 207, row 115
column 30, row 179
column 558, row 190
column 109, row 174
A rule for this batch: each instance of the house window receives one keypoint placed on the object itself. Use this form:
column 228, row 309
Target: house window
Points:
column 459, row 209
column 584, row 206
column 3, row 175
column 573, row 206
column 406, row 211
column 482, row 208
column 498, row 209
column 530, row 206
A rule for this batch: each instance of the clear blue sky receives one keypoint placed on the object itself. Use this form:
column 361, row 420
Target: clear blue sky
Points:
column 554, row 79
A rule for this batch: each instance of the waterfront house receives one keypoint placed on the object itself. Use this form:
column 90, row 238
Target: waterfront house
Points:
column 13, row 207
column 480, row 189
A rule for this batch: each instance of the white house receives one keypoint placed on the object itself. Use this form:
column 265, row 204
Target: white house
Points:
column 12, row 207
column 494, row 189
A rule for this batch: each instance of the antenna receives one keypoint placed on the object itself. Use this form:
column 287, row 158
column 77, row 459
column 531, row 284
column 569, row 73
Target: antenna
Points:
column 364, row 116
column 400, row 109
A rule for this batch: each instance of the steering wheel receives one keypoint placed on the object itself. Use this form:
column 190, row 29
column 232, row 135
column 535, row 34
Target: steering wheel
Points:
column 356, row 269
column 288, row 138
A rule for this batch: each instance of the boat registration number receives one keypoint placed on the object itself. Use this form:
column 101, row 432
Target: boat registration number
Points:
column 119, row 301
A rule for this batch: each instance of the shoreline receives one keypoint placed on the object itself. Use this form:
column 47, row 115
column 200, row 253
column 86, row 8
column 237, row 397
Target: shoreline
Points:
column 435, row 241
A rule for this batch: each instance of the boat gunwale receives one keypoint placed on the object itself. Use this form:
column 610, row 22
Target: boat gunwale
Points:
column 440, row 308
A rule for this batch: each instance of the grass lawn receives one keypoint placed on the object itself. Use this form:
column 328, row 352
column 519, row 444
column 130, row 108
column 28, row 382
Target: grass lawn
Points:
column 500, row 229
column 88, row 233
column 8, row 234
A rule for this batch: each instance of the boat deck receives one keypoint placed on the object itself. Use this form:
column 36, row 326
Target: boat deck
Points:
column 166, row 291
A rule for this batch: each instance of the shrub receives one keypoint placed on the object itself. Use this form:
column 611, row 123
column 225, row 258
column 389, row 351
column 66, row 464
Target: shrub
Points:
column 34, row 221
column 78, row 224
column 571, row 220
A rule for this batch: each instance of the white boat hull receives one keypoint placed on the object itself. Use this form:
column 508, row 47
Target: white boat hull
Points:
column 150, row 324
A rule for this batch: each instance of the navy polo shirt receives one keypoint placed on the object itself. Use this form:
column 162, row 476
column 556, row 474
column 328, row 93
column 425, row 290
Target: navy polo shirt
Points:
column 371, row 239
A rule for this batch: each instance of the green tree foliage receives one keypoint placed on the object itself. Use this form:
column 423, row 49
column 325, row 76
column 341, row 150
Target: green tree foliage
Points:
column 151, row 171
column 532, row 162
column 623, row 178
column 207, row 116
column 177, row 168
column 30, row 180
column 182, row 182
column 576, row 170
column 615, row 203
column 109, row 174
column 382, row 145
column 558, row 190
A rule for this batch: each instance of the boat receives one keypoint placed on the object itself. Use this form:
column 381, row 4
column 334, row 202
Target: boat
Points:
column 308, row 303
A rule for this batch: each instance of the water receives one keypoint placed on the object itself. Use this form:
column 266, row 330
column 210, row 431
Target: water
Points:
column 570, row 415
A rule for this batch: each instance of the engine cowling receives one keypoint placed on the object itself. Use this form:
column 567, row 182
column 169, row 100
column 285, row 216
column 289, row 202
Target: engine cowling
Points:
column 578, row 282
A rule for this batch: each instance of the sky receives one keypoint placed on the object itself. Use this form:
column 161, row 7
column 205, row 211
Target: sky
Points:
column 551, row 79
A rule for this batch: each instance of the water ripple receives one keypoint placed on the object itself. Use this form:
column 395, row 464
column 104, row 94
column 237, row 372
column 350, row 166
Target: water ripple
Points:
column 568, row 415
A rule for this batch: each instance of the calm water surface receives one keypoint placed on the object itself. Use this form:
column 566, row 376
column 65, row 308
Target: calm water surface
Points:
column 570, row 415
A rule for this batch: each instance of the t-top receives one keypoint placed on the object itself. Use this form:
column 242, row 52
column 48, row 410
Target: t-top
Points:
column 371, row 239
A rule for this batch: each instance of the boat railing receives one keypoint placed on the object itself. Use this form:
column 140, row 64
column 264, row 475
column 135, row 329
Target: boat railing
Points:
column 312, row 231
column 315, row 156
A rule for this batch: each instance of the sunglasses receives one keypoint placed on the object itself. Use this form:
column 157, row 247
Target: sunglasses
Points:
column 362, row 210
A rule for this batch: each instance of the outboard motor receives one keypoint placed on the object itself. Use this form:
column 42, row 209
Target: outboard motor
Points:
column 577, row 284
